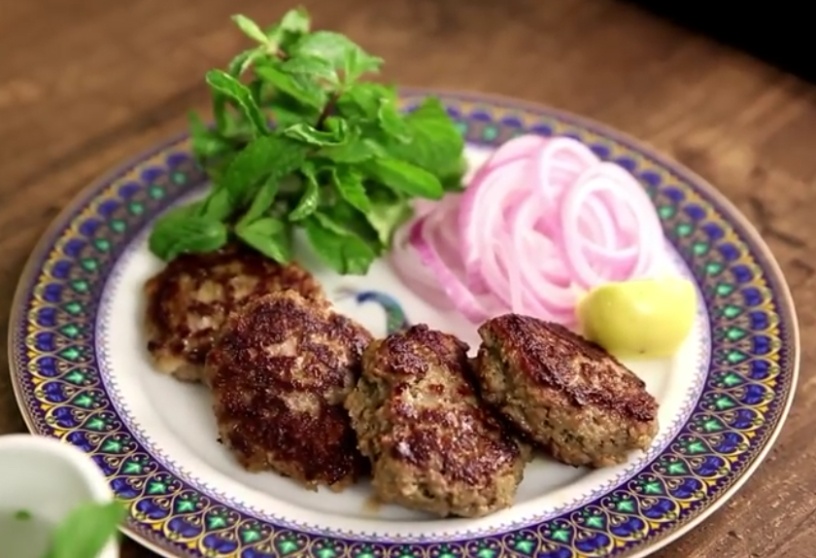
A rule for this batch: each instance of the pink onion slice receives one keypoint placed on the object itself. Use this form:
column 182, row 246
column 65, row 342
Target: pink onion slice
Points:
column 560, row 162
column 585, row 256
column 540, row 220
column 406, row 263
column 463, row 299
column 482, row 207
column 516, row 148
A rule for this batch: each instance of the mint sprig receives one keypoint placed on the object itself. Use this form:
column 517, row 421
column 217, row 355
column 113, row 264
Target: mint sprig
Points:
column 300, row 141
column 86, row 530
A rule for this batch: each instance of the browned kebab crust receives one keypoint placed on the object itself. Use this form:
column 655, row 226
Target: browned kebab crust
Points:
column 565, row 393
column 279, row 373
column 189, row 300
column 433, row 446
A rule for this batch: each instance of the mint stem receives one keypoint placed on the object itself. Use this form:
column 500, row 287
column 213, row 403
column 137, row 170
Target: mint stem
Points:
column 327, row 111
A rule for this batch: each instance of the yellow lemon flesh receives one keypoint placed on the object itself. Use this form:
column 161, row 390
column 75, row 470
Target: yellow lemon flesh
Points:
column 646, row 318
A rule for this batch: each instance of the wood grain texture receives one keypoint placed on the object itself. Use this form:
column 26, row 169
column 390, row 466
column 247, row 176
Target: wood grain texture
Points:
column 86, row 84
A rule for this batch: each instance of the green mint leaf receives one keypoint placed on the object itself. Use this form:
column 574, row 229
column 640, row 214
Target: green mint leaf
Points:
column 250, row 28
column 373, row 102
column 287, row 111
column 349, row 185
column 184, row 231
column 218, row 205
column 310, row 198
column 306, row 133
column 434, row 142
column 358, row 147
column 386, row 216
column 237, row 66
column 207, row 144
column 230, row 124
column 297, row 86
column 311, row 67
column 404, row 177
column 358, row 256
column 356, row 62
column 197, row 126
column 345, row 254
column 243, row 61
column 343, row 219
column 256, row 87
column 339, row 51
column 362, row 100
column 327, row 45
column 219, row 108
column 269, row 236
column 337, row 125
column 296, row 20
column 391, row 121
column 268, row 155
column 329, row 223
column 263, row 200
column 355, row 150
column 86, row 530
column 249, row 166
column 238, row 93
column 217, row 167
column 452, row 177
column 326, row 244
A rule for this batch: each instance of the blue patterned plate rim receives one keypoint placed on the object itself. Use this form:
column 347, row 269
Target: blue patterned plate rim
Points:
column 754, row 367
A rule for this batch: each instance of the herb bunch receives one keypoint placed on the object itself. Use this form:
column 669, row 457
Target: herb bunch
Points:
column 300, row 141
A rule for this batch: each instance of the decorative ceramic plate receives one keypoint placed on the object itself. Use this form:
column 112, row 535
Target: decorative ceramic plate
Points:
column 81, row 374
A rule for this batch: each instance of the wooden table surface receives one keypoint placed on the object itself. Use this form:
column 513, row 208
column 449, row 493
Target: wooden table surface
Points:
column 86, row 84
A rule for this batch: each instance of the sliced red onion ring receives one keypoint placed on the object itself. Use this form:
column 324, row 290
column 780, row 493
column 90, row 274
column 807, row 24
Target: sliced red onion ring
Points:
column 560, row 162
column 462, row 298
column 540, row 220
column 611, row 180
column 516, row 148
column 482, row 208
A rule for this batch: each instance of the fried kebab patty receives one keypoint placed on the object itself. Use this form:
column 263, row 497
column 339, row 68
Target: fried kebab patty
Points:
column 279, row 373
column 567, row 394
column 188, row 302
column 433, row 446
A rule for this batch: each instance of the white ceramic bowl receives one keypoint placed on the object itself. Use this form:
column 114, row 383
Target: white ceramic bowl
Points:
column 48, row 478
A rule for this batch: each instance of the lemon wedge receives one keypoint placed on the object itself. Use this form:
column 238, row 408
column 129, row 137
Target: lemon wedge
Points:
column 643, row 318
